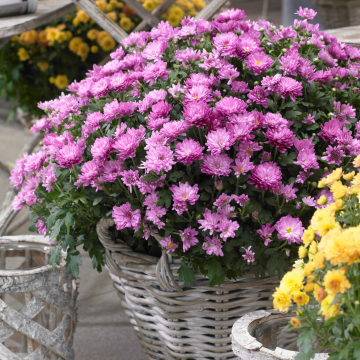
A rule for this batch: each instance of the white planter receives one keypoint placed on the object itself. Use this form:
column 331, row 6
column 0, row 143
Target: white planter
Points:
column 265, row 326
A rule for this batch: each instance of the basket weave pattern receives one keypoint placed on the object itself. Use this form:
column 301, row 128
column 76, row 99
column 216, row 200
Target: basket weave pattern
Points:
column 173, row 321
column 339, row 13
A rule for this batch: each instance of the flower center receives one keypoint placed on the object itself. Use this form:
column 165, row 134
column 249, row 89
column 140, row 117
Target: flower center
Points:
column 195, row 96
column 246, row 49
column 258, row 62
column 184, row 196
column 239, row 169
column 171, row 245
column 288, row 230
column 226, row 44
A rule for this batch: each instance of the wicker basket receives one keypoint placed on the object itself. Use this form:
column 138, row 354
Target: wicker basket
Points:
column 173, row 321
column 339, row 13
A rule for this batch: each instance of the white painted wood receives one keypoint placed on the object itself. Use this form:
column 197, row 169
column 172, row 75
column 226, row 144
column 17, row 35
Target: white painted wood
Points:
column 46, row 12
column 142, row 12
column 210, row 10
column 246, row 347
column 101, row 19
column 349, row 35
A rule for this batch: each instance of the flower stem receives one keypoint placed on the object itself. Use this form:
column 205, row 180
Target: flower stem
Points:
column 75, row 172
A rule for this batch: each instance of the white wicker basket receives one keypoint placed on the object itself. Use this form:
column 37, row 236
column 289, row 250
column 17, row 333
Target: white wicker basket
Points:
column 173, row 321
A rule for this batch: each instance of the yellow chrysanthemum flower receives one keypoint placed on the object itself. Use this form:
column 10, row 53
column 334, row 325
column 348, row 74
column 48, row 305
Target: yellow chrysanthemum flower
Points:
column 335, row 281
column 282, row 300
column 68, row 35
column 338, row 189
column 29, row 37
column 15, row 38
column 75, row 43
column 43, row 65
column 61, row 82
column 300, row 298
column 126, row 23
column 94, row 49
column 101, row 4
column 150, row 5
column 308, row 237
column 356, row 180
column 200, row 4
column 109, row 8
column 120, row 5
column 319, row 260
column 92, row 34
column 174, row 20
column 312, row 250
column 51, row 34
column 82, row 16
column 322, row 200
column 61, row 36
column 349, row 176
column 101, row 35
column 107, row 43
column 309, row 287
column 319, row 293
column 176, row 11
column 83, row 50
column 331, row 178
column 356, row 162
column 61, row 27
column 292, row 281
column 302, row 252
column 329, row 311
column 309, row 268
column 23, row 54
column 76, row 22
column 295, row 322
column 323, row 220
column 112, row 15
column 113, row 3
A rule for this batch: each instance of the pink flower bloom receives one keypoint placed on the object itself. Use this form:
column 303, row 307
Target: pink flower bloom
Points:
column 282, row 138
column 258, row 62
column 307, row 159
column 239, row 87
column 222, row 200
column 230, row 106
column 266, row 176
column 226, row 43
column 242, row 166
column 216, row 165
column 197, row 93
column 154, row 214
column 89, row 172
column 173, row 129
column 69, row 155
column 303, row 176
column 125, row 217
column 170, row 246
column 42, row 229
column 100, row 88
column 309, row 201
column 154, row 71
column 242, row 199
column 130, row 178
column 249, row 255
column 289, row 192
column 34, row 162
column 151, row 200
column 334, row 154
column 43, row 124
column 188, row 151
column 227, row 228
column 157, row 159
column 219, row 140
column 274, row 121
column 197, row 114
column 210, row 221
column 309, row 119
column 213, row 246
column 127, row 145
column 289, row 87
column 306, row 13
column 111, row 171
column 154, row 50
column 48, row 177
column 259, row 95
column 290, row 229
column 266, row 233
column 94, row 120
column 188, row 237
column 182, row 194
column 102, row 148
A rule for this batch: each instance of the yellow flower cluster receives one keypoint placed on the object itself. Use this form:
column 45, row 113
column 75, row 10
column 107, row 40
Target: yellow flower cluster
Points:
column 328, row 248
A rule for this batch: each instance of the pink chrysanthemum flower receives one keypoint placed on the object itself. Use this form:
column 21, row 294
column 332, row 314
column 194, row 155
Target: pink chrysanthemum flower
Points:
column 42, row 229
column 226, row 43
column 290, row 229
column 48, row 178
column 125, row 217
column 266, row 176
column 154, row 214
column 70, row 155
column 34, row 162
column 266, row 233
column 130, row 178
column 307, row 159
column 242, row 166
column 216, row 165
column 197, row 114
column 154, row 50
column 213, row 246
column 242, row 199
column 258, row 62
column 188, row 237
column 306, row 13
column 188, row 151
column 219, row 140
column 334, row 154
column 127, row 145
column 169, row 244
column 89, row 172
column 230, row 106
column 111, row 171
column 157, row 159
column 259, row 95
column 210, row 221
column 222, row 200
column 282, row 138
column 227, row 228
column 289, row 87
column 43, row 124
column 154, row 71
column 182, row 194
column 197, row 93
column 173, row 129
column 102, row 148
column 249, row 255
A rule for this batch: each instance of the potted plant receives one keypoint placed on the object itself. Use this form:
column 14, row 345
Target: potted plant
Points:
column 197, row 153
column 327, row 274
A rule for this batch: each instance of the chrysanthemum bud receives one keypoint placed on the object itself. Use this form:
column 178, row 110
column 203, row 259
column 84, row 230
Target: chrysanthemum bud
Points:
column 198, row 217
column 333, row 89
column 295, row 322
column 326, row 168
column 244, row 186
column 256, row 83
column 322, row 200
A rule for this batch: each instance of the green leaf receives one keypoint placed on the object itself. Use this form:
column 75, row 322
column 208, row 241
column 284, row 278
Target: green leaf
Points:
column 69, row 219
column 176, row 175
column 97, row 200
column 32, row 228
column 68, row 241
column 73, row 261
column 56, row 228
column 306, row 356
column 290, row 114
column 55, row 257
column 304, row 341
column 150, row 177
column 287, row 159
column 204, row 196
column 214, row 268
column 186, row 274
